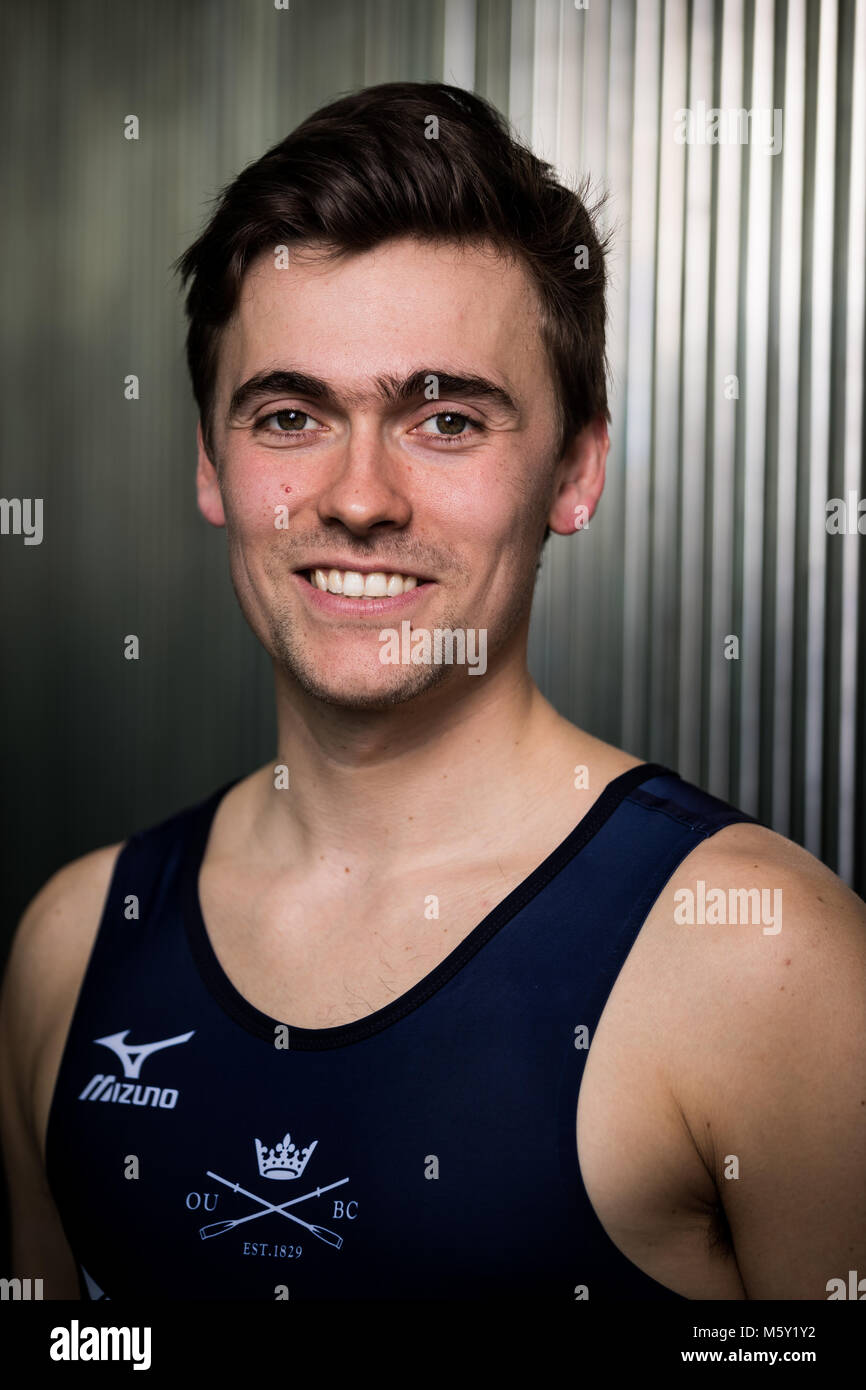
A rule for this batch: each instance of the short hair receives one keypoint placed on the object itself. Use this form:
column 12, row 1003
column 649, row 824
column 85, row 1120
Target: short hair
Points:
column 375, row 165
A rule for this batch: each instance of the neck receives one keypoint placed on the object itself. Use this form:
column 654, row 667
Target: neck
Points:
column 418, row 783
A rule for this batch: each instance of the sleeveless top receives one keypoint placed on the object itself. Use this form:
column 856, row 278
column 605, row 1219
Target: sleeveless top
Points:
column 199, row 1149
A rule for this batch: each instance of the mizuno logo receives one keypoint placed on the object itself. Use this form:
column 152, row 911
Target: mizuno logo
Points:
column 132, row 1057
column 108, row 1088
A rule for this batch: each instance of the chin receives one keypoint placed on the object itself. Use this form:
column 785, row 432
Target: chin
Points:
column 356, row 692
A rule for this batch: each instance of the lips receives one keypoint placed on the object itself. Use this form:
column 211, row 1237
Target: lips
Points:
column 355, row 567
column 355, row 584
column 331, row 597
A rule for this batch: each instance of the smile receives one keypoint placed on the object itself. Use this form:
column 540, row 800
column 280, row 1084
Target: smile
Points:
column 354, row 584
column 353, row 594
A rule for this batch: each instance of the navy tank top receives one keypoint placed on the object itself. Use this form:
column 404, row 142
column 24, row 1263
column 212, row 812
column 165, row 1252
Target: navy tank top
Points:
column 198, row 1149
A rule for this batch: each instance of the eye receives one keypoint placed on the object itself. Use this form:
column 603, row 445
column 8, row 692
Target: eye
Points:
column 291, row 421
column 453, row 425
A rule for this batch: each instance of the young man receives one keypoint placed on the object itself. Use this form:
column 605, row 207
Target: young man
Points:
column 324, row 1034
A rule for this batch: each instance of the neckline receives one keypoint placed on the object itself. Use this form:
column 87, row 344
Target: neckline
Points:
column 261, row 1025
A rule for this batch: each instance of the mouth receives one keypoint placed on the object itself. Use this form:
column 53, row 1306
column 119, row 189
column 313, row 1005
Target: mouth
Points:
column 361, row 583
column 359, row 592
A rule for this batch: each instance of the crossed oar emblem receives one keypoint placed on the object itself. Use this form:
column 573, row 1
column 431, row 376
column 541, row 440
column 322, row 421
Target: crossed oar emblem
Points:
column 330, row 1237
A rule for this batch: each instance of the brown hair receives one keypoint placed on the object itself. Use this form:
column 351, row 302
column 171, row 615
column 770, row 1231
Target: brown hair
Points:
column 363, row 170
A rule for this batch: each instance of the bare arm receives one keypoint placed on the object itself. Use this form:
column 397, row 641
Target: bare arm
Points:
column 43, row 975
column 777, row 1102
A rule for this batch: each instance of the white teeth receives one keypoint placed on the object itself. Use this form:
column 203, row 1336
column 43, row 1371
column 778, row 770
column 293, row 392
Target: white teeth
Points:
column 356, row 585
column 353, row 584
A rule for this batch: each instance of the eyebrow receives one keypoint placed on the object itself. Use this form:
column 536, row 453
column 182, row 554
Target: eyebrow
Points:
column 390, row 390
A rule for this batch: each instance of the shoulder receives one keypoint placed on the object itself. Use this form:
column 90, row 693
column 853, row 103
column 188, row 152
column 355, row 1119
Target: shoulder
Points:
column 47, row 961
column 746, row 874
column 49, row 952
column 759, row 947
column 53, row 917
column 767, row 934
column 764, row 949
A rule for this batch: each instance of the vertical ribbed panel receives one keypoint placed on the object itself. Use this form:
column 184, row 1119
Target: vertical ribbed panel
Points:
column 639, row 286
column 458, row 62
column 781, row 540
column 736, row 348
column 750, row 502
column 817, row 445
column 852, row 371
column 664, row 529
column 728, row 265
column 697, row 235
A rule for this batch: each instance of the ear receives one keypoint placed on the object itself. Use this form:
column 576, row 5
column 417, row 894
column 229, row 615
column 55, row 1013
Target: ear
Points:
column 210, row 502
column 580, row 478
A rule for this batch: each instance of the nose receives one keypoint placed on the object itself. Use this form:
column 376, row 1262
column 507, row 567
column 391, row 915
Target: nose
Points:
column 368, row 486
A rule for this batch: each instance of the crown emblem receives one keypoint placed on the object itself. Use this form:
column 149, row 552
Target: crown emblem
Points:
column 284, row 1161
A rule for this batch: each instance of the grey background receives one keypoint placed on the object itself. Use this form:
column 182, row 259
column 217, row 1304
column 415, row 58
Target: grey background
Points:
column 727, row 260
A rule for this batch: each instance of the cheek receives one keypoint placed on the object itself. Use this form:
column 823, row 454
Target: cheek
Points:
column 476, row 498
column 257, row 508
column 492, row 512
column 258, row 558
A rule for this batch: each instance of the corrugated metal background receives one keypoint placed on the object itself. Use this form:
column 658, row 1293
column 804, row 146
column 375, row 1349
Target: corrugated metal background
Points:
column 727, row 261
column 730, row 261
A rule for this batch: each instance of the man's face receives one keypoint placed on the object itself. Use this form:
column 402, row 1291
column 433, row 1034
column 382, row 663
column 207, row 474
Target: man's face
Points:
column 453, row 490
